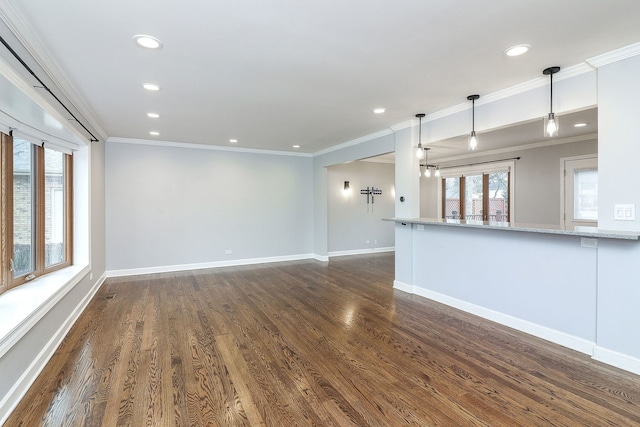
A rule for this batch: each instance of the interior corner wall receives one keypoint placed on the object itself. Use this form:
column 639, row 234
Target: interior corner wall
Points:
column 374, row 147
column 353, row 223
column 175, row 206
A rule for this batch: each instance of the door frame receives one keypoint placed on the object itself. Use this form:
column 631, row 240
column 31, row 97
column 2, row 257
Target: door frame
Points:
column 563, row 189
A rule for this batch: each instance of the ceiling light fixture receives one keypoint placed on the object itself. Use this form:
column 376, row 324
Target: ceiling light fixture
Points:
column 580, row 125
column 151, row 86
column 233, row 141
column 551, row 121
column 379, row 110
column 419, row 151
column 473, row 139
column 153, row 115
column 296, row 146
column 148, row 42
column 154, row 133
column 517, row 50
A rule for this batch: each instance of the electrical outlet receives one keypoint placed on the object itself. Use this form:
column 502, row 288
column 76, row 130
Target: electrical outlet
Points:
column 228, row 252
column 624, row 212
column 367, row 242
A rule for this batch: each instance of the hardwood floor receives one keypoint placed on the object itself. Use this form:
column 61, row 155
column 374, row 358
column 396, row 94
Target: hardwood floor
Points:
column 310, row 343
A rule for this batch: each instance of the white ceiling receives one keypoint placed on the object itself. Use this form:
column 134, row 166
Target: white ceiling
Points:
column 277, row 73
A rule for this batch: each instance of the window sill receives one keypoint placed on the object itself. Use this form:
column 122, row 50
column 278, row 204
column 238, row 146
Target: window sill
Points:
column 22, row 307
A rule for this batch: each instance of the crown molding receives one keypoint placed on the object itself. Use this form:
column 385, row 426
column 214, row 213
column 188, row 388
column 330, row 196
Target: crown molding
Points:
column 541, row 144
column 174, row 144
column 15, row 23
column 356, row 141
column 615, row 55
column 541, row 81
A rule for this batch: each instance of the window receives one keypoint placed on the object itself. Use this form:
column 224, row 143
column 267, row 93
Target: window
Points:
column 36, row 211
column 482, row 193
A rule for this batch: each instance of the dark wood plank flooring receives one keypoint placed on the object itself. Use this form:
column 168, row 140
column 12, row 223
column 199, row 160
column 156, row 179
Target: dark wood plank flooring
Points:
column 310, row 343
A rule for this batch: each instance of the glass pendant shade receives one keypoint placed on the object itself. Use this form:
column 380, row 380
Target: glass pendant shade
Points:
column 473, row 140
column 437, row 174
column 550, row 121
column 420, row 152
column 551, row 125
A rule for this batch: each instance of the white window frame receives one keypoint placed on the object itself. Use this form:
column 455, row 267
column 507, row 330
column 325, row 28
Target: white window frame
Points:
column 456, row 172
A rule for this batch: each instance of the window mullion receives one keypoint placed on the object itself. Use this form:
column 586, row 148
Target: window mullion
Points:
column 40, row 210
column 6, row 211
column 485, row 197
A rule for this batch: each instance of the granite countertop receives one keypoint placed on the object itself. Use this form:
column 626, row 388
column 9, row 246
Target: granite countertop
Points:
column 592, row 232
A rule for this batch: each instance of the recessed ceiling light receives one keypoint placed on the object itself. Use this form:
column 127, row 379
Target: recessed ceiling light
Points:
column 150, row 86
column 153, row 115
column 580, row 125
column 146, row 41
column 517, row 50
column 233, row 141
column 154, row 133
column 296, row 146
column 379, row 110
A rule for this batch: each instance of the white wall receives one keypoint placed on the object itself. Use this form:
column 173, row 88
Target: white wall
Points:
column 618, row 178
column 537, row 181
column 172, row 206
column 351, row 221
column 383, row 144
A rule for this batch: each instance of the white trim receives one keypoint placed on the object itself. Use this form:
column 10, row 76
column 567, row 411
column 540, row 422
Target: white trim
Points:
column 40, row 55
column 575, row 343
column 118, row 140
column 532, row 146
column 619, row 360
column 615, row 55
column 28, row 377
column 59, row 283
column 541, row 81
column 361, row 251
column 203, row 265
column 321, row 258
column 356, row 141
column 402, row 286
column 563, row 167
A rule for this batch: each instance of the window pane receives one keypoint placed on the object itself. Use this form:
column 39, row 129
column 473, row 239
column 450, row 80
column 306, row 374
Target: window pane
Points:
column 452, row 198
column 54, row 208
column 585, row 194
column 23, row 208
column 473, row 197
column 498, row 196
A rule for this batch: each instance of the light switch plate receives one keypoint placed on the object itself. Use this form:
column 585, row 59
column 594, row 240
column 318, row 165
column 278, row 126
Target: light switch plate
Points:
column 624, row 212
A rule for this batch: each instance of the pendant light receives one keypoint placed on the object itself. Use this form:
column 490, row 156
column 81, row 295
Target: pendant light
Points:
column 427, row 171
column 419, row 150
column 473, row 139
column 551, row 121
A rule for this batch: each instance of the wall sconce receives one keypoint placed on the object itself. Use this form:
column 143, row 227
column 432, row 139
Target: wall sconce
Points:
column 346, row 185
column 419, row 150
column 551, row 122
column 473, row 139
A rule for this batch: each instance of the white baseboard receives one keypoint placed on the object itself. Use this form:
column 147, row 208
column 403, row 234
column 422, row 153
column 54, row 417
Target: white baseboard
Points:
column 361, row 251
column 213, row 264
column 28, row 377
column 322, row 258
column 402, row 286
column 570, row 341
column 619, row 360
